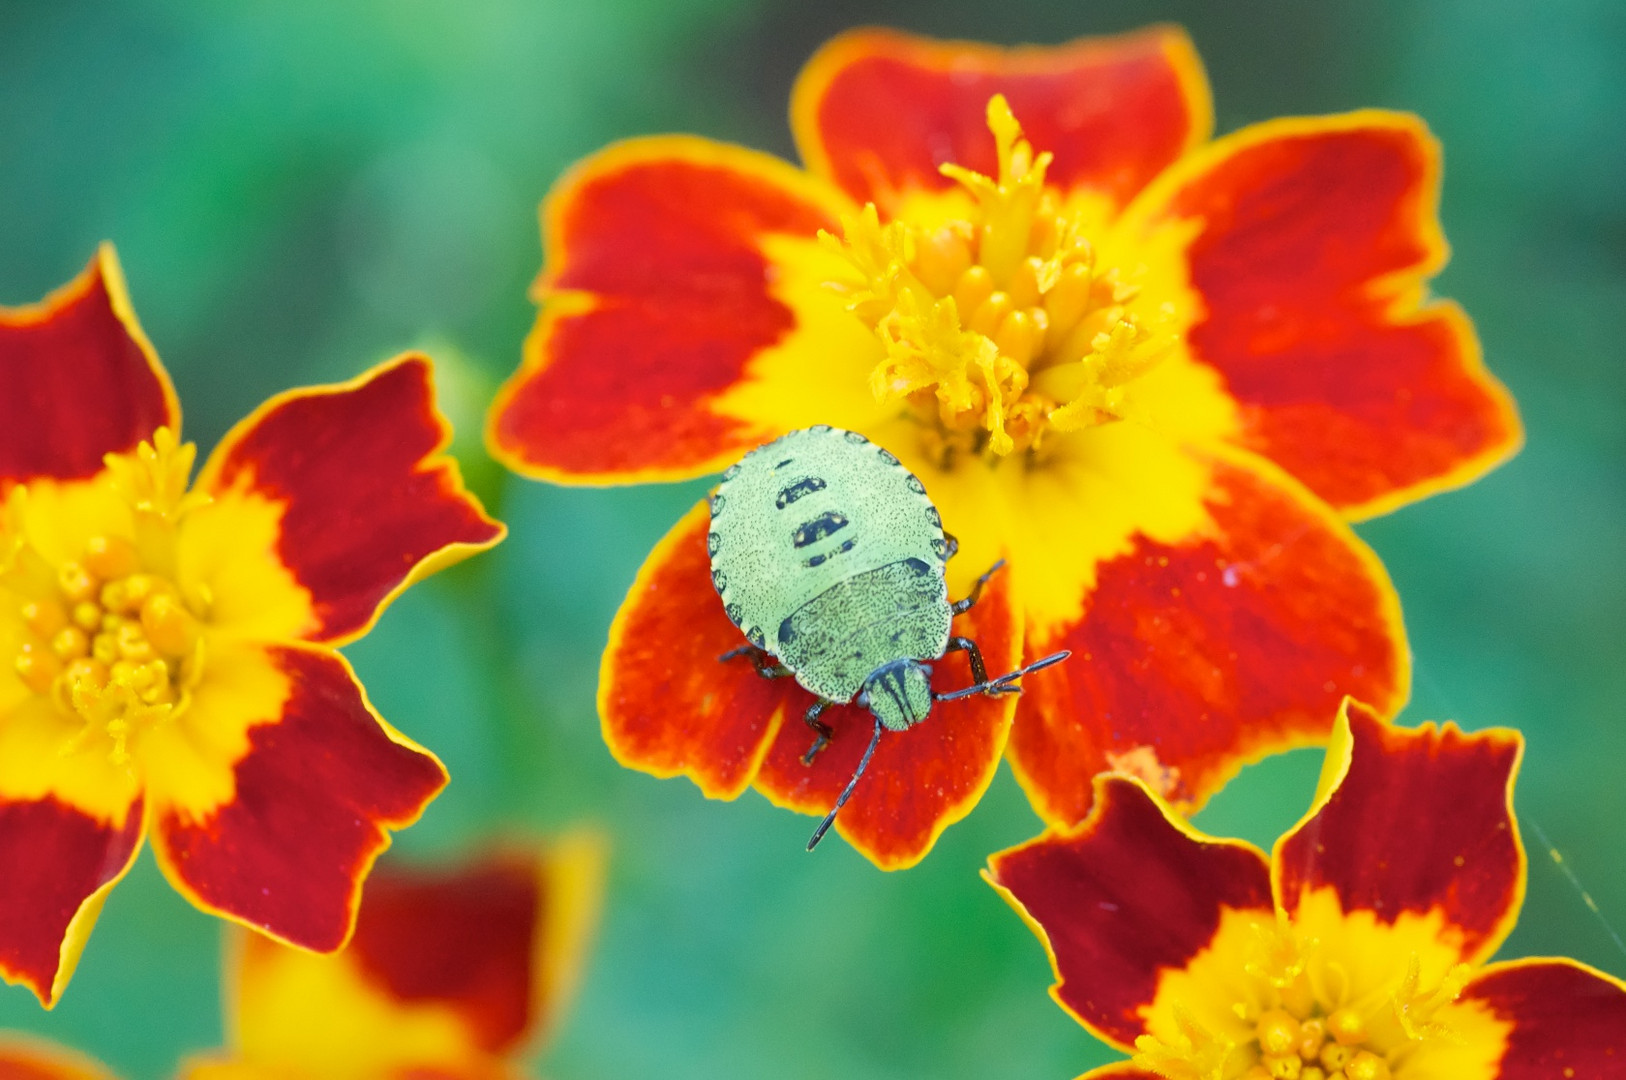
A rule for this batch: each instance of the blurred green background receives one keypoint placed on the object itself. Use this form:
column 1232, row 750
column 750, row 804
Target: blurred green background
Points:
column 299, row 190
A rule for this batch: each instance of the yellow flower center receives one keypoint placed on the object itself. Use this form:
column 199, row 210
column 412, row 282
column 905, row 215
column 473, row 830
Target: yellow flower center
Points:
column 1001, row 326
column 1304, row 1023
column 108, row 636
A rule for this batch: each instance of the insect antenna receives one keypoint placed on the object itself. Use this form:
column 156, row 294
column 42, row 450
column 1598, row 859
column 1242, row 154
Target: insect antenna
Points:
column 1002, row 685
column 841, row 800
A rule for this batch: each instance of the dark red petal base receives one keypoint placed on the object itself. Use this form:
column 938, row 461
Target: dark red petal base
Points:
column 1127, row 897
column 317, row 794
column 1421, row 821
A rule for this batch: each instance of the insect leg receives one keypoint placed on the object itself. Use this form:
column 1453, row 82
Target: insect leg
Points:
column 960, row 607
column 811, row 718
column 979, row 670
column 1005, row 683
column 761, row 659
column 841, row 800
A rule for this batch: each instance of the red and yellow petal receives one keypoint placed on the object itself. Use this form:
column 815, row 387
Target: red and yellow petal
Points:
column 60, row 864
column 1413, row 822
column 1129, row 897
column 1308, row 245
column 1193, row 657
column 81, row 380
column 23, row 1057
column 1563, row 1018
column 369, row 502
column 922, row 780
column 316, row 783
column 879, row 111
column 666, row 704
column 447, row 970
column 680, row 273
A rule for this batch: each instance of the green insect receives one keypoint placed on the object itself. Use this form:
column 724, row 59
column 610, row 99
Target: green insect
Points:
column 829, row 556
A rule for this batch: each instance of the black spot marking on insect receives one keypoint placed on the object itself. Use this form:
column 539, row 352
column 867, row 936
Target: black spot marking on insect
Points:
column 734, row 612
column 716, row 505
column 888, row 457
column 714, row 544
column 782, row 464
column 854, row 438
column 816, row 560
column 719, row 581
column 805, row 486
column 753, row 634
column 826, row 524
column 934, row 517
column 915, row 485
column 940, row 546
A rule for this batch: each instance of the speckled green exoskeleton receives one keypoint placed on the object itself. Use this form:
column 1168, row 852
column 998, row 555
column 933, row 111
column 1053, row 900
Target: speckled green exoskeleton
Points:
column 829, row 556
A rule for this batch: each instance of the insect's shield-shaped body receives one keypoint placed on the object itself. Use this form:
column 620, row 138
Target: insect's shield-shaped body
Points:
column 828, row 554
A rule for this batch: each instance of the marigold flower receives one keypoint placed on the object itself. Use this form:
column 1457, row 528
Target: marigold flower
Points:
column 168, row 653
column 452, row 974
column 1355, row 952
column 1158, row 374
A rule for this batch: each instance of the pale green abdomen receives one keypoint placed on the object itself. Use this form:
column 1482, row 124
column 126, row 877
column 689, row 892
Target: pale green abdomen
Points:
column 835, row 641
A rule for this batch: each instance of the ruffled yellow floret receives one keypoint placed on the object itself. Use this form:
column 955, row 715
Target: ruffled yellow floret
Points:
column 970, row 310
column 1302, row 1022
column 108, row 637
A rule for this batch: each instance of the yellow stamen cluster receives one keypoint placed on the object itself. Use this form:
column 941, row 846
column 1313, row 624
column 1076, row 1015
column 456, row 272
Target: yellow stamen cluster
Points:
column 972, row 310
column 1305, row 1026
column 109, row 640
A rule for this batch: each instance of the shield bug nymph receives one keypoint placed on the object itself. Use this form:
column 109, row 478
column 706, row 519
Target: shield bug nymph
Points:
column 829, row 556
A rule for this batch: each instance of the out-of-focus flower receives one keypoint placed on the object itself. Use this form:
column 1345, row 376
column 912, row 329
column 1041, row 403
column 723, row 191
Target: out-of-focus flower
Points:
column 451, row 975
column 168, row 656
column 1355, row 952
column 23, row 1057
column 1156, row 373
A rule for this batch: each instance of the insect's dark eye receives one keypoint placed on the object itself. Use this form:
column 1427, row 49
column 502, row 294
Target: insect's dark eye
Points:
column 795, row 491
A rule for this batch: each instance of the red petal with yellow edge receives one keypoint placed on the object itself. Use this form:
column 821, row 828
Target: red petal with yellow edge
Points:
column 60, row 863
column 879, row 111
column 667, row 706
column 370, row 502
column 1413, row 820
column 315, row 796
column 1314, row 243
column 658, row 292
column 1191, row 659
column 922, row 780
column 1121, row 1070
column 23, row 1057
column 1132, row 893
column 1568, row 1019
column 81, row 380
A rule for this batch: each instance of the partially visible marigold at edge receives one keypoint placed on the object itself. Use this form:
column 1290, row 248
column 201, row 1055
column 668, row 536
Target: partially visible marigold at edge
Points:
column 453, row 974
column 1158, row 374
column 1356, row 951
column 168, row 649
